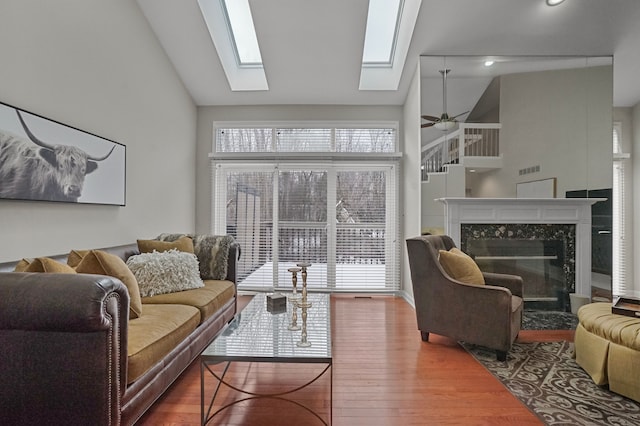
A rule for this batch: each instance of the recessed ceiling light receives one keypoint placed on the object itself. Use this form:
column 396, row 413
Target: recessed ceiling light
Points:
column 554, row 2
column 472, row 170
column 488, row 63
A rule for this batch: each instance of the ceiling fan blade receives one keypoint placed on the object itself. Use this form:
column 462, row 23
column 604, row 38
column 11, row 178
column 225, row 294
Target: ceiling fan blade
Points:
column 456, row 116
column 427, row 125
column 430, row 117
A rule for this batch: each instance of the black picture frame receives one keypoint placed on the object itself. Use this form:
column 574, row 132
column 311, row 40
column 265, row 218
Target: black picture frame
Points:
column 45, row 160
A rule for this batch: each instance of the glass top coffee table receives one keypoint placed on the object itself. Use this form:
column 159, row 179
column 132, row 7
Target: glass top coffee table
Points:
column 257, row 335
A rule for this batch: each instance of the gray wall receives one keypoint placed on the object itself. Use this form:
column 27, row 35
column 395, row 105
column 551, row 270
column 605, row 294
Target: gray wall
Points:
column 560, row 120
column 635, row 158
column 410, row 215
column 96, row 65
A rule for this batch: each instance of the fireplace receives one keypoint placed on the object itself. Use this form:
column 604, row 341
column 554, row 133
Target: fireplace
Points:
column 550, row 222
column 543, row 255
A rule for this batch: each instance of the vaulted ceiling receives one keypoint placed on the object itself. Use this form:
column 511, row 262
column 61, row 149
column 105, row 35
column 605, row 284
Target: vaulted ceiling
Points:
column 312, row 50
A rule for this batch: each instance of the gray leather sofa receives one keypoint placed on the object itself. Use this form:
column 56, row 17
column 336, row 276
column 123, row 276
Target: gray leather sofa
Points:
column 64, row 338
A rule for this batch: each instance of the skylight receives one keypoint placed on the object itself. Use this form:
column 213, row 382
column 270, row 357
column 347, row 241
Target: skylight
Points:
column 230, row 25
column 243, row 33
column 383, row 21
column 390, row 25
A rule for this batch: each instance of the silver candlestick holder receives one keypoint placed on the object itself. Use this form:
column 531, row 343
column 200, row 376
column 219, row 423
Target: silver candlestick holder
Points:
column 304, row 342
column 294, row 283
column 294, row 298
column 303, row 267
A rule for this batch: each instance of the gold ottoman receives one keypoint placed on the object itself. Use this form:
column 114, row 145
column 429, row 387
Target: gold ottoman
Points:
column 608, row 348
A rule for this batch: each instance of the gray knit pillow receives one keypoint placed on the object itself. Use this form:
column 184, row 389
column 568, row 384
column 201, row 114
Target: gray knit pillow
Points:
column 165, row 272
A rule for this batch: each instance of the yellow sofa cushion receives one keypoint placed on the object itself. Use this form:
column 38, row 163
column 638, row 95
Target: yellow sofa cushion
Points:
column 208, row 299
column 459, row 266
column 155, row 333
column 103, row 263
column 181, row 244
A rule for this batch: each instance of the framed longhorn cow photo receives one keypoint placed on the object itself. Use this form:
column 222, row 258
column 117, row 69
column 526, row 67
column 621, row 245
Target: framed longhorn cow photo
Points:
column 44, row 160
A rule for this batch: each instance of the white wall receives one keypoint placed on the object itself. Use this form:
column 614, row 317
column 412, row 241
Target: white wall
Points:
column 560, row 120
column 96, row 65
column 442, row 184
column 410, row 215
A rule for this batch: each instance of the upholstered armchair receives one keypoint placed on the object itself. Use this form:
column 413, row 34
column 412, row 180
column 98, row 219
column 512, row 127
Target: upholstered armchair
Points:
column 488, row 314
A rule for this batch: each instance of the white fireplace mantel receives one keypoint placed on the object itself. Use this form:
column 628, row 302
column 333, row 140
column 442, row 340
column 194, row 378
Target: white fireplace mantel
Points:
column 529, row 211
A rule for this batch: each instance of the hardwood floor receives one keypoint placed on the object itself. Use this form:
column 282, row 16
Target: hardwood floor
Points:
column 383, row 375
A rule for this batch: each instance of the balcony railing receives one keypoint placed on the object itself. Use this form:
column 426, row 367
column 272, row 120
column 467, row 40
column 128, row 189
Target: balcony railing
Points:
column 478, row 140
column 356, row 244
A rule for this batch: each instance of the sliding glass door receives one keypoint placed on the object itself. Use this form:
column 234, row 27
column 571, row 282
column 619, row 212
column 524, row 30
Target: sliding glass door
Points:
column 302, row 225
column 340, row 218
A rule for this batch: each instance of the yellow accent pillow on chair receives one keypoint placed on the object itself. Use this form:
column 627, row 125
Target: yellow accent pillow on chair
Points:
column 461, row 267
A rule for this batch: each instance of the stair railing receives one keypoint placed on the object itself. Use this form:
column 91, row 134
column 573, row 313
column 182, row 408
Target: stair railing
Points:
column 480, row 140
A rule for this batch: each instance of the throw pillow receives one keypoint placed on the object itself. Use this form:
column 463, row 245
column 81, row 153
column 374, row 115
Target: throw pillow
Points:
column 103, row 263
column 75, row 256
column 44, row 264
column 23, row 265
column 165, row 272
column 460, row 266
column 184, row 243
column 212, row 252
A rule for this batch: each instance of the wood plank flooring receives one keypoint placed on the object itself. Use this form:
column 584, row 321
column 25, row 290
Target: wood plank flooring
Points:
column 383, row 375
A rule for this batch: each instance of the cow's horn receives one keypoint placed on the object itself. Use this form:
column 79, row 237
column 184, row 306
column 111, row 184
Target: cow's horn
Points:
column 104, row 157
column 31, row 135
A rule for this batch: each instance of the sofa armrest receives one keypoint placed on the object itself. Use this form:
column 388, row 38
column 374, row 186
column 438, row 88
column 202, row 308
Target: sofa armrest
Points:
column 64, row 340
column 513, row 282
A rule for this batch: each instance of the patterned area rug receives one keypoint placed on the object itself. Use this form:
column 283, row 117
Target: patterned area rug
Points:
column 545, row 377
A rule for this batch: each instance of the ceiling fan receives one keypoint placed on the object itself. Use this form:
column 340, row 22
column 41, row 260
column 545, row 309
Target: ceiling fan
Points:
column 444, row 122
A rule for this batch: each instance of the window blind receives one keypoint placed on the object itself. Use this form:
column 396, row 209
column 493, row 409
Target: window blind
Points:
column 619, row 240
column 304, row 140
column 339, row 216
column 244, row 140
column 310, row 140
